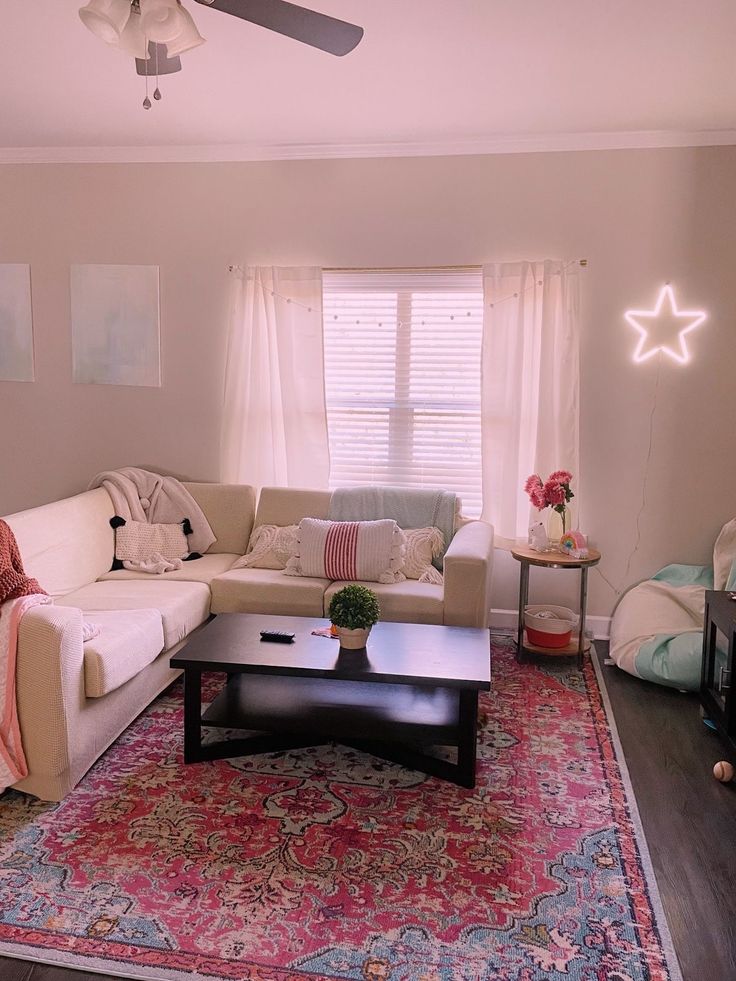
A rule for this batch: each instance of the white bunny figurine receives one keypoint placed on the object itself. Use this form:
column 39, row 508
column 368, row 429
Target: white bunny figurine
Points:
column 538, row 537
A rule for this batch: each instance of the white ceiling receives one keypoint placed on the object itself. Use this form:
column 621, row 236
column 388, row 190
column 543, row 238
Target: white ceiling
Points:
column 433, row 74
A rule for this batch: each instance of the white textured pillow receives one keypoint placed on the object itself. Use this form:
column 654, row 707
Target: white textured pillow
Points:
column 270, row 547
column 136, row 541
column 422, row 545
column 371, row 551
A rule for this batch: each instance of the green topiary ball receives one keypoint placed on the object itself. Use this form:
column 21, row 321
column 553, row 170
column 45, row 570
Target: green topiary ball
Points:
column 354, row 607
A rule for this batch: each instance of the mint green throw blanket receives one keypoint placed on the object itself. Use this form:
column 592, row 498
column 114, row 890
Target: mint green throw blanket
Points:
column 410, row 507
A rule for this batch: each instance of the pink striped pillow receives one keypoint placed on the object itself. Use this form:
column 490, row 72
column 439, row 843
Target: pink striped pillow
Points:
column 367, row 551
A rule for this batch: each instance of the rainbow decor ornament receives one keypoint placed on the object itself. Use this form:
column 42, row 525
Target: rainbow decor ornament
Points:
column 664, row 328
column 575, row 544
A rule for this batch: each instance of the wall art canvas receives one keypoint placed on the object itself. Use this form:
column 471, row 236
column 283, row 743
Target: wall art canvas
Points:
column 115, row 325
column 16, row 323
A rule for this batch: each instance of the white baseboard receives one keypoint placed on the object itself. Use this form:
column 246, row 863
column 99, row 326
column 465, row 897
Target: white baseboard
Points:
column 508, row 620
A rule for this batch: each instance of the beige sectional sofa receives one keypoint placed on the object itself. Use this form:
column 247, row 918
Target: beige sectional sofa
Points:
column 75, row 698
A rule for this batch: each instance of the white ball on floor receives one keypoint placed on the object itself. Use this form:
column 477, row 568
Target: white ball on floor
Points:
column 723, row 771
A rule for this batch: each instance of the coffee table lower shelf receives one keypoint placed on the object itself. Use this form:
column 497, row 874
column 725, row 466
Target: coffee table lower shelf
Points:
column 393, row 721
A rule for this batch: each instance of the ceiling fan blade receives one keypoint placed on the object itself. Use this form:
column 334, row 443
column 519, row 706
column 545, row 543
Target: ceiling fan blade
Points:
column 337, row 37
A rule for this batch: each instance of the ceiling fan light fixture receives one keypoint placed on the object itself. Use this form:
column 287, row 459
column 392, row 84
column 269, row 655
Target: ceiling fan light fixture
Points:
column 133, row 41
column 106, row 18
column 161, row 20
column 188, row 38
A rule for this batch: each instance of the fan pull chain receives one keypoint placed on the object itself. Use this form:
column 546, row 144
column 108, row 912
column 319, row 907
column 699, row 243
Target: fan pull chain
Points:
column 157, row 90
column 147, row 102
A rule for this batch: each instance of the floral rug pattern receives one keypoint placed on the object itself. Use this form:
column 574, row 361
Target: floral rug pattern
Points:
column 328, row 863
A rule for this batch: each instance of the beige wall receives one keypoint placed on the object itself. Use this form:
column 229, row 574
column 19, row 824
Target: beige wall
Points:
column 640, row 217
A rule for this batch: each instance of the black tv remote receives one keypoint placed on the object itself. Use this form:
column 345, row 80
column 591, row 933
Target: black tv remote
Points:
column 278, row 636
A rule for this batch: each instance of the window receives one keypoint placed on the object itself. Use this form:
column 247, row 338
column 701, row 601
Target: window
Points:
column 402, row 379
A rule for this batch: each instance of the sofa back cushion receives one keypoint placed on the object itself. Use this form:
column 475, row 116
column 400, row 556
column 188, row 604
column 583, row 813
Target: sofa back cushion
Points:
column 288, row 505
column 68, row 543
column 230, row 509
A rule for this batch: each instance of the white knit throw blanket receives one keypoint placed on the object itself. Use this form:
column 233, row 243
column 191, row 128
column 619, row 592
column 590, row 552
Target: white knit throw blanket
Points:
column 141, row 495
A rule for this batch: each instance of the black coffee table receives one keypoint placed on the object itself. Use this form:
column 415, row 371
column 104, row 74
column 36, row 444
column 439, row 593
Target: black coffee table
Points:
column 413, row 687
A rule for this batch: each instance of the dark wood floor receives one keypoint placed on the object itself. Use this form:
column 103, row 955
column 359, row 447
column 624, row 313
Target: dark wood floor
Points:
column 689, row 820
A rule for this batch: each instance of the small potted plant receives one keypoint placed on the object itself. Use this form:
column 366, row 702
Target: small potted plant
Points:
column 353, row 611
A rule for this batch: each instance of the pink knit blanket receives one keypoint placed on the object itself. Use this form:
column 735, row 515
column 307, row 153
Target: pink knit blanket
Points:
column 12, row 758
column 18, row 593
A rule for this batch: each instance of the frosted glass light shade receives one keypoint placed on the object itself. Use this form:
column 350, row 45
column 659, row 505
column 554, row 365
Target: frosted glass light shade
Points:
column 133, row 41
column 188, row 38
column 106, row 18
column 161, row 20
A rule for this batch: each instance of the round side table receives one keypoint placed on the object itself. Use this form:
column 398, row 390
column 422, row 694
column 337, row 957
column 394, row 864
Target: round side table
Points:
column 553, row 560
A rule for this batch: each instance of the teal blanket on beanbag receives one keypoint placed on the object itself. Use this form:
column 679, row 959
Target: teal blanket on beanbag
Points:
column 686, row 575
column 670, row 660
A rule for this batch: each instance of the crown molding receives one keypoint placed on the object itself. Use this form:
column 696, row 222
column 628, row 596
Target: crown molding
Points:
column 232, row 153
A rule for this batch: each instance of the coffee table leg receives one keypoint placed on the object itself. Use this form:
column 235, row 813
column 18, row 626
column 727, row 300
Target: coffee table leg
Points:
column 467, row 738
column 192, row 715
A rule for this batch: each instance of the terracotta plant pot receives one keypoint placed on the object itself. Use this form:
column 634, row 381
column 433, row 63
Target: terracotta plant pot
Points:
column 353, row 640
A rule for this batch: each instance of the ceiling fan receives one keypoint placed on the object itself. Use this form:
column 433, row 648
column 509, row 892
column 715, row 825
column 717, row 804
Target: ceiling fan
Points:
column 157, row 32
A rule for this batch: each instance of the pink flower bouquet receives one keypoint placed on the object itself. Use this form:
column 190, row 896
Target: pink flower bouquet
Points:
column 553, row 493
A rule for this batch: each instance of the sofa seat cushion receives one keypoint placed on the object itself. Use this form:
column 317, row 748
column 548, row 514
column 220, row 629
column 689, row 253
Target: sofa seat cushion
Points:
column 403, row 602
column 182, row 605
column 268, row 591
column 127, row 643
column 198, row 570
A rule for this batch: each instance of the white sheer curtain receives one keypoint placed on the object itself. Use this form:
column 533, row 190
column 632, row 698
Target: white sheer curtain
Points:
column 530, row 380
column 274, row 419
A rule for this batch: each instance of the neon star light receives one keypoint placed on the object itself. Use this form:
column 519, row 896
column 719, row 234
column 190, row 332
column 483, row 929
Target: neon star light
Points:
column 664, row 328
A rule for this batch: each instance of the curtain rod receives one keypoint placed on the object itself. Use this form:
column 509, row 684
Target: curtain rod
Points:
column 582, row 262
column 341, row 269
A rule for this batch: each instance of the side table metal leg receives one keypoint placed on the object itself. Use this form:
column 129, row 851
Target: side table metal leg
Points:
column 523, row 599
column 583, row 601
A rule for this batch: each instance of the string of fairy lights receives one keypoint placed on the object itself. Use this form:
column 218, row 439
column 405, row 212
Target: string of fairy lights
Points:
column 311, row 308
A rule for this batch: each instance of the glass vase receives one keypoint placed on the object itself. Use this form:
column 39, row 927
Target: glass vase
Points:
column 558, row 524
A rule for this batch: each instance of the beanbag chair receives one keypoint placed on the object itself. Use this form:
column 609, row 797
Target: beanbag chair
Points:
column 657, row 628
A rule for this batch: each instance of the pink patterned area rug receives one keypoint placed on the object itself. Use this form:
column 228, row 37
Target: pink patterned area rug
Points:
column 327, row 863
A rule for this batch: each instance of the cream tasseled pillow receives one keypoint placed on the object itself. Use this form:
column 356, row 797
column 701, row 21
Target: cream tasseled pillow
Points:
column 270, row 547
column 422, row 544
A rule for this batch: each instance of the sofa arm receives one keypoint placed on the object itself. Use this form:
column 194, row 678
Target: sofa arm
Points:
column 49, row 685
column 468, row 569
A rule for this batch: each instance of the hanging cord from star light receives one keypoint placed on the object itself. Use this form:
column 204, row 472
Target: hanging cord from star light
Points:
column 619, row 592
column 400, row 323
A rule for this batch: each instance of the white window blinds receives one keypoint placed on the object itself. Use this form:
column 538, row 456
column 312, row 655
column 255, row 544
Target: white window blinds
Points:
column 402, row 379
